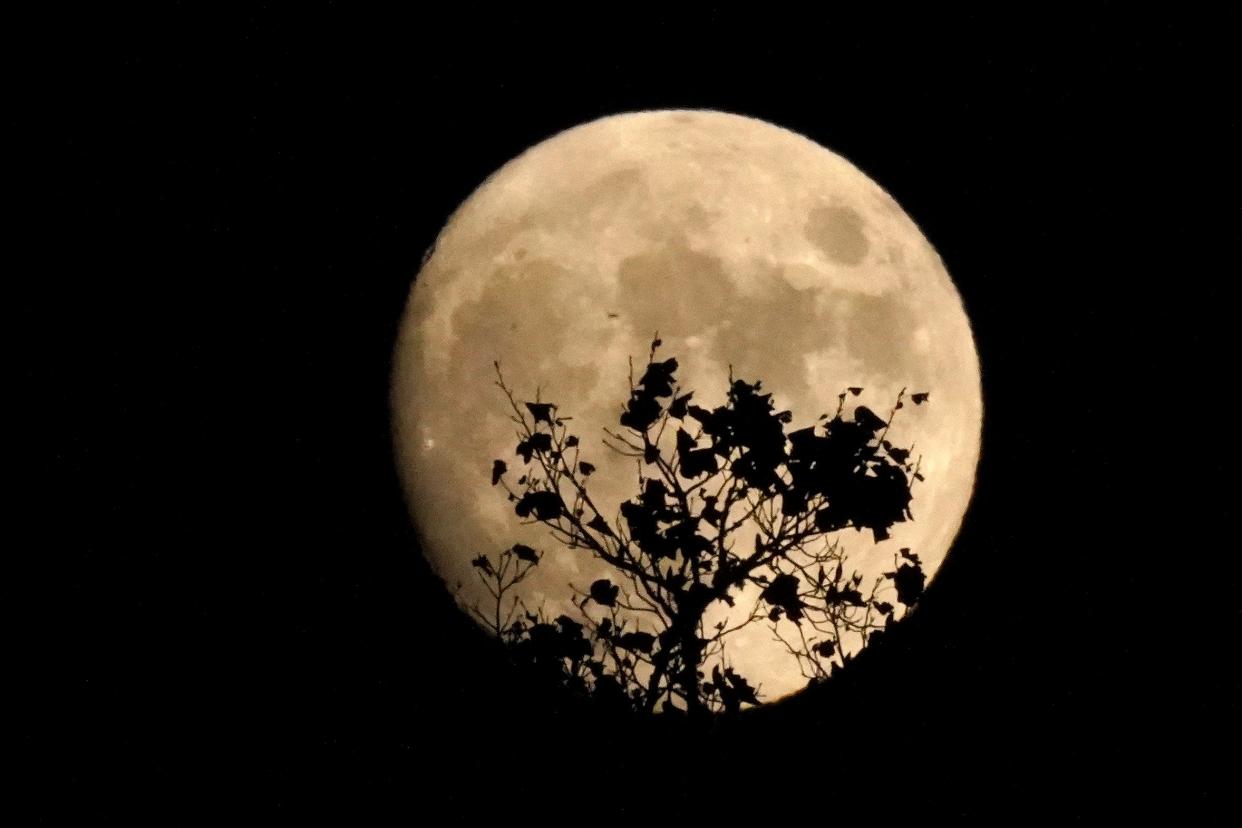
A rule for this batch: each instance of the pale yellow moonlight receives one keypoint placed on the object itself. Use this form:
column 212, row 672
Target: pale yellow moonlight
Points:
column 744, row 245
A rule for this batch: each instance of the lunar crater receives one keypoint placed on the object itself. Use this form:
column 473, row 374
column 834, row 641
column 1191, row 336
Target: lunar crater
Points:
column 838, row 232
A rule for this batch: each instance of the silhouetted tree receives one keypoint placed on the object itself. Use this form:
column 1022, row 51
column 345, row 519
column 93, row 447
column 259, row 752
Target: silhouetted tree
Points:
column 640, row 637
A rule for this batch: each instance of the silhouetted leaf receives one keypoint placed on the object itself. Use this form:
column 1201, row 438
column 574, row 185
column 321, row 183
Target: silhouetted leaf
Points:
column 586, row 468
column 884, row 607
column 900, row 455
column 701, row 414
column 694, row 462
column 569, row 625
column 604, row 592
column 921, row 398
column 849, row 595
column 639, row 642
column 641, row 412
column 867, row 418
column 525, row 553
column 829, row 519
column 655, row 496
column 734, row 690
column 855, row 391
column 644, row 529
column 710, row 513
column 498, row 469
column 542, row 412
column 825, row 648
column 678, row 408
column 909, row 580
column 544, row 505
column 658, row 379
column 651, row 454
column 524, row 450
column 482, row 563
column 571, row 441
column 783, row 592
column 600, row 525
column 540, row 442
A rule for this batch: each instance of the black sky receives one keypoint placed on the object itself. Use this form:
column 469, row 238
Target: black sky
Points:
column 227, row 607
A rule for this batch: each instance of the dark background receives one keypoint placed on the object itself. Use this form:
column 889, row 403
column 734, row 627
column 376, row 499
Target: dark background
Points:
column 228, row 610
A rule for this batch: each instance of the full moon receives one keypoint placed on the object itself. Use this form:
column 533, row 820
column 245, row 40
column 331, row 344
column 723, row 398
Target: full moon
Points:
column 748, row 248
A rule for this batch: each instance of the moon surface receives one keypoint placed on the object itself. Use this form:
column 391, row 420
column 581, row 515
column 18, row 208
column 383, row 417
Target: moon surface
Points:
column 744, row 245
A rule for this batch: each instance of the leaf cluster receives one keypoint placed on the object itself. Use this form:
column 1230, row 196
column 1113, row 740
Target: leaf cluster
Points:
column 707, row 477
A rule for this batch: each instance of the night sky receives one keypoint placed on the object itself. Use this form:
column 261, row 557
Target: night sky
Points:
column 228, row 611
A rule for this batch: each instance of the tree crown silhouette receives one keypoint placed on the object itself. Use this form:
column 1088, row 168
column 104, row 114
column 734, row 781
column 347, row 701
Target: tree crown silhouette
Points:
column 641, row 638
